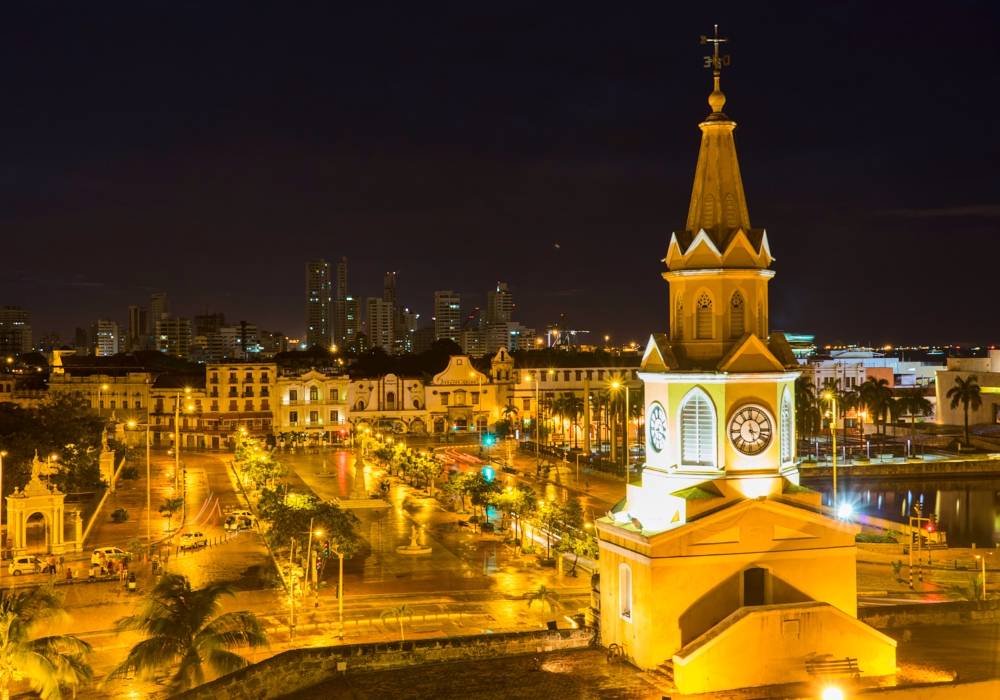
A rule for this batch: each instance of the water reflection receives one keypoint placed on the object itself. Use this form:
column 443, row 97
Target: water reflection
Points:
column 968, row 511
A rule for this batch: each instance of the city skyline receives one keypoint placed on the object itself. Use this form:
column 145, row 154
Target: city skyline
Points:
column 436, row 173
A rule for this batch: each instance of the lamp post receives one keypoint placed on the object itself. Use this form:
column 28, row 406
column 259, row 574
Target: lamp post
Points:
column 177, row 450
column 100, row 399
column 982, row 558
column 833, row 432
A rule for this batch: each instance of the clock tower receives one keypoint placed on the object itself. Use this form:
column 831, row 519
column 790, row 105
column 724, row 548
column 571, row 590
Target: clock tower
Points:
column 719, row 532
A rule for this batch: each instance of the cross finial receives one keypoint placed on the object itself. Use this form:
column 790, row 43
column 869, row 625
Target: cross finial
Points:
column 716, row 100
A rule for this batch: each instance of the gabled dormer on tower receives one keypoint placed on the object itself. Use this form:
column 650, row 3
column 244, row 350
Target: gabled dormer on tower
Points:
column 718, row 265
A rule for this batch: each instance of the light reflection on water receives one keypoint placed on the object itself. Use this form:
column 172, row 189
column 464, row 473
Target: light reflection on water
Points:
column 968, row 511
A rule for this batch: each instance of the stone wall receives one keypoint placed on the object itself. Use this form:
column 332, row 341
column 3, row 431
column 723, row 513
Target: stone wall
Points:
column 932, row 615
column 297, row 669
column 943, row 691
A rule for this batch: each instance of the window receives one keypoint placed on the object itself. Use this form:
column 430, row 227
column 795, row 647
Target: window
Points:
column 625, row 591
column 600, row 375
column 313, row 394
column 459, row 398
column 566, row 375
column 703, row 317
column 159, row 405
column 736, row 316
column 390, row 401
column 264, row 406
column 527, row 404
column 314, row 416
column 264, row 391
column 475, row 398
column 215, row 406
column 248, row 392
column 334, row 417
column 545, row 376
column 293, row 395
column 787, row 429
column 124, row 403
column 293, row 417
column 263, row 377
column 590, row 374
column 731, row 220
column 445, row 396
column 232, row 405
column 360, row 405
column 579, row 374
column 232, row 377
column 249, row 377
column 697, row 430
column 248, row 406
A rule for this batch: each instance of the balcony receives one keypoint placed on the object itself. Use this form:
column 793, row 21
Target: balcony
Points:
column 214, row 380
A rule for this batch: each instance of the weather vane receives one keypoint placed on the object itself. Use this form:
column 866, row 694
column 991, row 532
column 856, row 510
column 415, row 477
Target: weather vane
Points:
column 715, row 61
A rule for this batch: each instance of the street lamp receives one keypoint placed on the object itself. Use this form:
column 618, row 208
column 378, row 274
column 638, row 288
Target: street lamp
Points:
column 100, row 398
column 832, row 397
column 982, row 558
column 149, row 535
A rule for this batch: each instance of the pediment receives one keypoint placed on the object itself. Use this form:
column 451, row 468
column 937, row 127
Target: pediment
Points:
column 752, row 526
column 741, row 253
column 750, row 355
column 658, row 356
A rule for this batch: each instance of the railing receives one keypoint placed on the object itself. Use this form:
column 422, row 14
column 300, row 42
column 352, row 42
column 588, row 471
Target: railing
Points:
column 317, row 402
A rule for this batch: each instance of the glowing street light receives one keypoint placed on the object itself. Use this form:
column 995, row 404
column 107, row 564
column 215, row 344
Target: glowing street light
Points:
column 833, row 693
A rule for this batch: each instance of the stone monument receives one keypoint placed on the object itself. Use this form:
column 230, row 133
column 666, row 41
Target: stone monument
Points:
column 37, row 497
column 414, row 547
column 358, row 497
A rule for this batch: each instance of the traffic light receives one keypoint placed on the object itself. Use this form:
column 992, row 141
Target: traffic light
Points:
column 326, row 548
column 932, row 524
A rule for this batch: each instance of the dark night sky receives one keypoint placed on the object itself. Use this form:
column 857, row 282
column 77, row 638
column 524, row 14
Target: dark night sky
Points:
column 210, row 149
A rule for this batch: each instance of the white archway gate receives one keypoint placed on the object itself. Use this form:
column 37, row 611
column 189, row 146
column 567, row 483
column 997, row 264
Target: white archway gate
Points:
column 37, row 497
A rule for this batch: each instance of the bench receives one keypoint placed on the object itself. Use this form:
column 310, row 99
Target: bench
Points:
column 833, row 667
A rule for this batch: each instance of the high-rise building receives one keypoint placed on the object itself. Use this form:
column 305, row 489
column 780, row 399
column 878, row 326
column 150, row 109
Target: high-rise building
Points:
column 272, row 342
column 83, row 342
column 340, row 305
column 406, row 326
column 208, row 323
column 499, row 304
column 319, row 304
column 352, row 320
column 379, row 319
column 48, row 343
column 173, row 336
column 447, row 315
column 138, row 329
column 159, row 304
column 15, row 331
column 107, row 337
column 389, row 288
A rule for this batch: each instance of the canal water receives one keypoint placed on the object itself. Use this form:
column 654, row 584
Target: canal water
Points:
column 968, row 510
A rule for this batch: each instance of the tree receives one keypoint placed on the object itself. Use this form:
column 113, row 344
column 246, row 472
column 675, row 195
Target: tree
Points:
column 876, row 396
column 183, row 629
column 557, row 519
column 973, row 593
column 288, row 520
column 481, row 491
column 47, row 663
column 913, row 403
column 398, row 611
column 966, row 392
column 169, row 507
column 544, row 596
column 458, row 485
column 585, row 546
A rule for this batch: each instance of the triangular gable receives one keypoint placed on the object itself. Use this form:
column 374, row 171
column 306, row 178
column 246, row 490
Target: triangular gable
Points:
column 739, row 252
column 658, row 356
column 750, row 355
column 782, row 351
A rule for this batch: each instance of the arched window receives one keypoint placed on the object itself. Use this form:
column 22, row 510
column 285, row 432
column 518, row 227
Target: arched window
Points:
column 760, row 321
column 787, row 429
column 390, row 401
column 703, row 317
column 736, row 316
column 313, row 394
column 679, row 319
column 360, row 405
column 708, row 213
column 697, row 430
column 625, row 591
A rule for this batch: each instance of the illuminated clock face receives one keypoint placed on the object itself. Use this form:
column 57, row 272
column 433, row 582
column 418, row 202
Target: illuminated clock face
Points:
column 750, row 430
column 657, row 428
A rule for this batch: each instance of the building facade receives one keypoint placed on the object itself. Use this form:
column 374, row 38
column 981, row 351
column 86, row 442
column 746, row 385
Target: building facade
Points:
column 311, row 407
column 447, row 316
column 173, row 336
column 319, row 304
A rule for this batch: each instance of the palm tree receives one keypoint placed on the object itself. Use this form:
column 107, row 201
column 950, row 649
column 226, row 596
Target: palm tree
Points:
column 876, row 395
column 913, row 403
column 169, row 507
column 543, row 595
column 574, row 410
column 47, row 663
column 967, row 393
column 509, row 412
column 183, row 629
column 973, row 593
column 398, row 611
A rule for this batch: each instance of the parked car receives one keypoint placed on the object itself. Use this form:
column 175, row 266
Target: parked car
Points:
column 193, row 540
column 109, row 554
column 244, row 514
column 25, row 565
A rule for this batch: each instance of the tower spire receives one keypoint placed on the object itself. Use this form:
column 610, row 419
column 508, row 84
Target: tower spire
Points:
column 717, row 99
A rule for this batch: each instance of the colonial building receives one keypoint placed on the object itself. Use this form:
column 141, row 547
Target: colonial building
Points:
column 718, row 570
column 462, row 398
column 311, row 406
column 389, row 403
